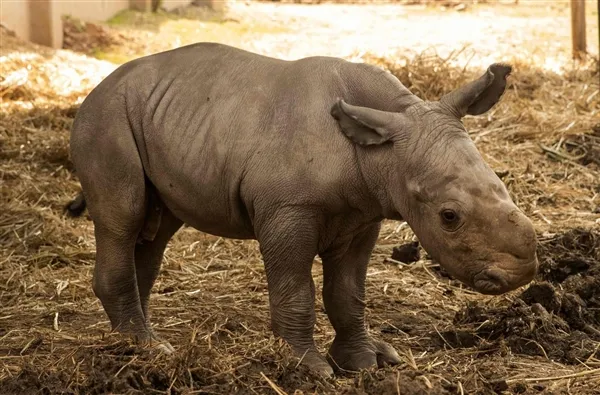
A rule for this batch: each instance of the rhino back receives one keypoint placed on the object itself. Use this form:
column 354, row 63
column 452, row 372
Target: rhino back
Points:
column 221, row 131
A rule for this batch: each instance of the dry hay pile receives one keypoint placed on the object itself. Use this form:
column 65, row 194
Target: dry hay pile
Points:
column 211, row 300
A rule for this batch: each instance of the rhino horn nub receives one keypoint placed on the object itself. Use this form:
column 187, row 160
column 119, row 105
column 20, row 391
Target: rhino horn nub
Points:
column 478, row 96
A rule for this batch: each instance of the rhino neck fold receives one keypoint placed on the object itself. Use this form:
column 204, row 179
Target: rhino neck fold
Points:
column 378, row 173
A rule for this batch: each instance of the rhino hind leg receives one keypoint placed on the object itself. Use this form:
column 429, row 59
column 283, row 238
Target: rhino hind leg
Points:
column 149, row 255
column 114, row 282
column 112, row 179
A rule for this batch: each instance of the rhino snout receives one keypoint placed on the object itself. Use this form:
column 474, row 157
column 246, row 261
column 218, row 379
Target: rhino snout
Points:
column 512, row 260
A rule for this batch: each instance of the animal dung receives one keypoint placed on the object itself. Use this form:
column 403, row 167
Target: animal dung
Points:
column 407, row 253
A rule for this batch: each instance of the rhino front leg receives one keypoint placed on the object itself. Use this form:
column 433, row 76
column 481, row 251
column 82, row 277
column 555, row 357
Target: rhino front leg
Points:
column 288, row 243
column 344, row 271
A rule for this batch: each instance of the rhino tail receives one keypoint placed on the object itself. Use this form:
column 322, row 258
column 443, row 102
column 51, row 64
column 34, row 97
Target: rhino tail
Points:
column 77, row 206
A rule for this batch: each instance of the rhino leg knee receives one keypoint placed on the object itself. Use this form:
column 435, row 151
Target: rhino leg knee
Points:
column 344, row 270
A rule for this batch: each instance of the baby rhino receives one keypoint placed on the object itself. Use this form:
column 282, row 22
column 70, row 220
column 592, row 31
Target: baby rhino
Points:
column 307, row 157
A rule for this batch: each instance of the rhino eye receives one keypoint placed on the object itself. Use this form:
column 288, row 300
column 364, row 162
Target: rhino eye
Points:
column 449, row 217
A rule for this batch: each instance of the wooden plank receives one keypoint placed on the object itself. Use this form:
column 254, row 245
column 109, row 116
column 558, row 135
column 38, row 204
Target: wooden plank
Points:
column 578, row 28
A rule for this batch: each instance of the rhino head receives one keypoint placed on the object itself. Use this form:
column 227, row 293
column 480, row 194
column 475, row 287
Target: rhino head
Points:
column 434, row 177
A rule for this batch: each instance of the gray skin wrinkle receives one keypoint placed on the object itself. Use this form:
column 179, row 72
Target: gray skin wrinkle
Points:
column 307, row 157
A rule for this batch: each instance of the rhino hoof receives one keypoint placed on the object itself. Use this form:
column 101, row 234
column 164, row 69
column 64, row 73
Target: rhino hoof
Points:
column 324, row 370
column 386, row 354
column 353, row 357
column 155, row 344
column 317, row 364
column 165, row 347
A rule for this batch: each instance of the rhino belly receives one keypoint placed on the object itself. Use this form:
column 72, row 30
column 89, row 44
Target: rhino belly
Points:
column 197, row 183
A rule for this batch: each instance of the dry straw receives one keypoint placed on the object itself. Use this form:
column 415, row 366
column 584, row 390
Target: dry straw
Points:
column 211, row 299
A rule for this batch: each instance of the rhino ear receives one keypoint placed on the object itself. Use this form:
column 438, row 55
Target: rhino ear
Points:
column 479, row 96
column 363, row 125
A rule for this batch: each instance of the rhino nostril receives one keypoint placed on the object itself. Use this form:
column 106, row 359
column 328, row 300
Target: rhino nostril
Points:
column 523, row 255
column 524, row 249
column 522, row 239
column 532, row 266
column 526, row 253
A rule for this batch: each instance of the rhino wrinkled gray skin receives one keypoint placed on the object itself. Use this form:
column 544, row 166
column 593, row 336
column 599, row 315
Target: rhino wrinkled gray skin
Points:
column 307, row 157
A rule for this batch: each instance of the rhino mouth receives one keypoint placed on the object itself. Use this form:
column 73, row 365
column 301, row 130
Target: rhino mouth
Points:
column 490, row 282
column 497, row 280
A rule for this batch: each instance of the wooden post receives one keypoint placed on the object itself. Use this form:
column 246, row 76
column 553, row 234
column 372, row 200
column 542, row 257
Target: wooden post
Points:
column 140, row 5
column 578, row 28
column 45, row 25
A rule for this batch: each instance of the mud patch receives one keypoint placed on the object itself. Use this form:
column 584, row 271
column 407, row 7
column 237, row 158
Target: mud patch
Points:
column 524, row 329
column 557, row 317
column 570, row 263
column 385, row 382
column 127, row 369
column 31, row 381
column 576, row 251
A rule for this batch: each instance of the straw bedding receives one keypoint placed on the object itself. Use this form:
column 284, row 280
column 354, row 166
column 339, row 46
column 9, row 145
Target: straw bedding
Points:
column 210, row 300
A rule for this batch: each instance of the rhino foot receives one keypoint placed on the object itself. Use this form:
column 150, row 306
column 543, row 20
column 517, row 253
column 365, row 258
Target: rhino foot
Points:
column 316, row 363
column 164, row 347
column 156, row 344
column 353, row 356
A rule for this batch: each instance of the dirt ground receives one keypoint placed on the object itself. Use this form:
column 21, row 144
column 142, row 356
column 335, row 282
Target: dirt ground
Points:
column 210, row 300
